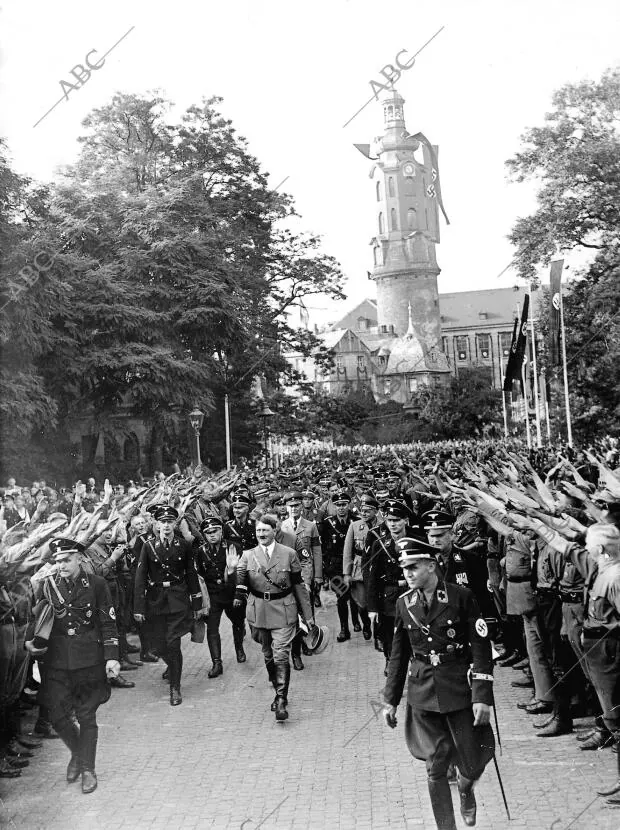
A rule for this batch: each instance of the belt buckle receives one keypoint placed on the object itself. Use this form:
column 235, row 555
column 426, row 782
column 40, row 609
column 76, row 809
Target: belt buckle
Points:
column 71, row 632
column 435, row 659
column 267, row 595
column 165, row 584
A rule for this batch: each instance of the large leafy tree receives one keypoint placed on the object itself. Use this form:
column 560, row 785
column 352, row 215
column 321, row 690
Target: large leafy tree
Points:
column 575, row 157
column 174, row 267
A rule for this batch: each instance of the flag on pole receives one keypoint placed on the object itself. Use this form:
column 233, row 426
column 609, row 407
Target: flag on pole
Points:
column 517, row 349
column 555, row 283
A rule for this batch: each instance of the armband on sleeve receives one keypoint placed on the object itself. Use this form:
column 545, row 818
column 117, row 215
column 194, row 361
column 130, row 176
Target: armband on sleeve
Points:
column 241, row 592
column 296, row 578
column 481, row 676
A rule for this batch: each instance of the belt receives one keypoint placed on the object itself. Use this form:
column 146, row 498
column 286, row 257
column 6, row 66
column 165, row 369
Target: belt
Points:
column 572, row 597
column 436, row 659
column 166, row 584
column 601, row 632
column 518, row 578
column 269, row 595
column 546, row 592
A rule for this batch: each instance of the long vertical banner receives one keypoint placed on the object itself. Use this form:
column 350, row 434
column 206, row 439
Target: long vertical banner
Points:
column 555, row 286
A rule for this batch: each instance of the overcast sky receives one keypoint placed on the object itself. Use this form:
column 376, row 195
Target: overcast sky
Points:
column 291, row 74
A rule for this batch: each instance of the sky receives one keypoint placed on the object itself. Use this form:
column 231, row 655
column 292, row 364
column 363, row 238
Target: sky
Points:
column 291, row 74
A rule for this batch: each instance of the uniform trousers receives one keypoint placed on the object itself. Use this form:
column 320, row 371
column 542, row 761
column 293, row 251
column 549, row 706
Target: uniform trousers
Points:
column 603, row 661
column 275, row 642
column 345, row 598
column 223, row 605
column 542, row 674
column 387, row 633
column 165, row 631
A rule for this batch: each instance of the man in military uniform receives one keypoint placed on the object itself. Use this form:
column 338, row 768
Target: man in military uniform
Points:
column 167, row 593
column 440, row 630
column 269, row 577
column 385, row 578
column 307, row 544
column 379, row 531
column 216, row 562
column 333, row 532
column 353, row 556
column 79, row 656
column 241, row 530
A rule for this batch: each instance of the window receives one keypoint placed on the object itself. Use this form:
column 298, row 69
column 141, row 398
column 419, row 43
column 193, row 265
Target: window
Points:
column 381, row 228
column 361, row 361
column 412, row 221
column 377, row 255
column 387, row 385
column 339, row 362
column 393, row 219
column 378, row 191
column 505, row 339
column 391, row 185
column 382, row 360
column 484, row 346
column 461, row 347
column 413, row 385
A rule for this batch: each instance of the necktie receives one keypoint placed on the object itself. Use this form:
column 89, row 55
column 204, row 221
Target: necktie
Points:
column 295, row 523
column 266, row 552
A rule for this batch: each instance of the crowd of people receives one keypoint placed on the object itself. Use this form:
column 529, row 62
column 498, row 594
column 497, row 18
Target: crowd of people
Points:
column 452, row 557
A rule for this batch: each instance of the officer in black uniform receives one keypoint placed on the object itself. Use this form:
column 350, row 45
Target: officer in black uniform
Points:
column 241, row 530
column 440, row 630
column 385, row 577
column 216, row 562
column 79, row 656
column 378, row 532
column 333, row 532
column 168, row 594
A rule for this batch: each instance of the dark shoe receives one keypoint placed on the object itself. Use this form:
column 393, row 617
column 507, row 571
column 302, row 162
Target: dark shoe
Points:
column 366, row 632
column 541, row 724
column 357, row 627
column 344, row 634
column 18, row 763
column 166, row 675
column 522, row 664
column 282, row 677
column 558, row 726
column 510, row 660
column 584, row 736
column 120, row 683
column 89, row 781
column 133, row 649
column 43, row 729
column 304, row 649
column 541, row 707
column 281, row 713
column 523, row 683
column 74, row 769
column 148, row 657
column 15, row 750
column 216, row 669
column 241, row 658
column 378, row 644
column 468, row 807
column 175, row 697
column 527, row 703
column 297, row 663
column 599, row 739
column 28, row 742
column 613, row 802
column 127, row 666
column 611, row 790
column 7, row 771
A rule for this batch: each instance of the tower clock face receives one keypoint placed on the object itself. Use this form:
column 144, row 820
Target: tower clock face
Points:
column 409, row 169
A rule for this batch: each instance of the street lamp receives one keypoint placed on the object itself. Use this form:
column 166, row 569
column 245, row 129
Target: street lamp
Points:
column 196, row 417
column 264, row 414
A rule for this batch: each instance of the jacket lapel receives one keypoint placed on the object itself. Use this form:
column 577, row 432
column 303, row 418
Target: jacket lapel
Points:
column 439, row 603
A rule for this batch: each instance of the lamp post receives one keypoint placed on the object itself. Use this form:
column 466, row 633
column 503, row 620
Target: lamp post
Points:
column 196, row 417
column 264, row 414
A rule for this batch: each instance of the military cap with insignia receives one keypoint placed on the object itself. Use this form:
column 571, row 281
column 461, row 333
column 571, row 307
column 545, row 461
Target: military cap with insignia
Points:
column 396, row 509
column 382, row 493
column 412, row 550
column 152, row 509
column 370, row 499
column 308, row 493
column 211, row 523
column 341, row 497
column 293, row 497
column 240, row 498
column 166, row 513
column 61, row 548
column 437, row 520
column 261, row 490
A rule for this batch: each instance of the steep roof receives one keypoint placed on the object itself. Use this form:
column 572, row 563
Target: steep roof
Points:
column 490, row 306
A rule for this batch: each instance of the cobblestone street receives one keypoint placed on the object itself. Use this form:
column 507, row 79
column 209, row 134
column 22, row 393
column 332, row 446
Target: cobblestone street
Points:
column 221, row 761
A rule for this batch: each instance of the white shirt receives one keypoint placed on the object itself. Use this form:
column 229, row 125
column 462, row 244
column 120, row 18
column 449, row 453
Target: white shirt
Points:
column 269, row 550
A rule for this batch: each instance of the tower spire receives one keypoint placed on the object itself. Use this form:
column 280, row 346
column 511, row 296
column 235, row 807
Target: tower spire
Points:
column 410, row 331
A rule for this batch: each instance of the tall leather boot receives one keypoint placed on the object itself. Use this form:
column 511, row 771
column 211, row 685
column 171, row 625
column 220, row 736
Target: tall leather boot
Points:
column 468, row 799
column 215, row 650
column 561, row 723
column 376, row 632
column 70, row 734
column 355, row 616
column 238, row 634
column 441, row 802
column 296, row 651
column 283, row 675
column 88, row 753
column 365, row 623
column 343, row 615
column 175, row 667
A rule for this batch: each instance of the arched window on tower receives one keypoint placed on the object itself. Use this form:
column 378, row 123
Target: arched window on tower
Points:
column 391, row 185
column 381, row 228
column 412, row 219
column 393, row 220
column 378, row 191
column 377, row 255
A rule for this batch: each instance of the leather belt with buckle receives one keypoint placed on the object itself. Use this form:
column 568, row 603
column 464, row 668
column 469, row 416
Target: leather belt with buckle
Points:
column 269, row 595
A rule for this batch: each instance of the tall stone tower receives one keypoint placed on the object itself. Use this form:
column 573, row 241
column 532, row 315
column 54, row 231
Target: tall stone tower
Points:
column 406, row 229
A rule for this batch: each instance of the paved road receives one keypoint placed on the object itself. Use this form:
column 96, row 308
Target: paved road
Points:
column 220, row 760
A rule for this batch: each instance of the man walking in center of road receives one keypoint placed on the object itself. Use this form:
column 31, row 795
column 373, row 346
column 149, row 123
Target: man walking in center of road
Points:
column 440, row 630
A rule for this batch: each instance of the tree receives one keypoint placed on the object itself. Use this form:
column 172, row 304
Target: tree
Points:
column 576, row 157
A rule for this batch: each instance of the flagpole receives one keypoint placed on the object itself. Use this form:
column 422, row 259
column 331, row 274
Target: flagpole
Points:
column 569, row 428
column 535, row 371
column 525, row 408
column 227, row 427
column 546, row 400
column 501, row 375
